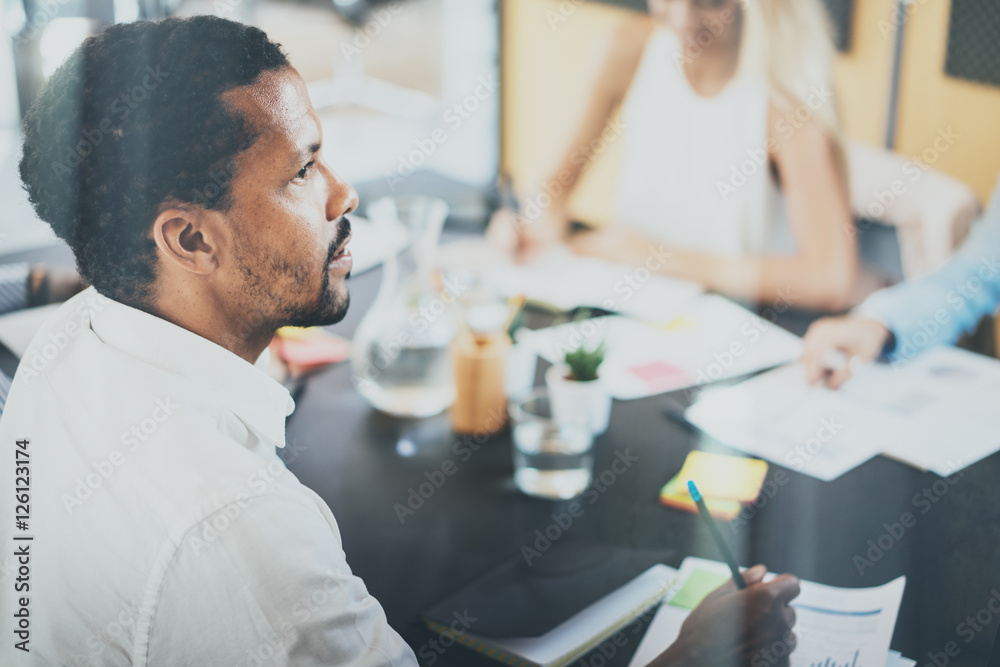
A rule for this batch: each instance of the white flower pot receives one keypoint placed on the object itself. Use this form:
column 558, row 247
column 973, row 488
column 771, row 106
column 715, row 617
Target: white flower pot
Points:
column 572, row 401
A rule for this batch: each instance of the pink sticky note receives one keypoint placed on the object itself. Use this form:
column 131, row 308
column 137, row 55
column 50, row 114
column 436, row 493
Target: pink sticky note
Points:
column 661, row 376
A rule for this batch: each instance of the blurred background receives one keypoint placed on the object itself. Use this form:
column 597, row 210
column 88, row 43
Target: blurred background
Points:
column 387, row 74
column 474, row 102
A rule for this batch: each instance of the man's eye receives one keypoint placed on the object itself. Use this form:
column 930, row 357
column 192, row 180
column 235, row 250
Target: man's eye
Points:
column 302, row 172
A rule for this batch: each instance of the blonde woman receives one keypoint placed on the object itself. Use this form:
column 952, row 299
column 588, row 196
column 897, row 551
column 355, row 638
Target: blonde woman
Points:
column 731, row 156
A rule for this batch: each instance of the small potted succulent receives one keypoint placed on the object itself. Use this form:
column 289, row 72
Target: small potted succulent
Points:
column 577, row 391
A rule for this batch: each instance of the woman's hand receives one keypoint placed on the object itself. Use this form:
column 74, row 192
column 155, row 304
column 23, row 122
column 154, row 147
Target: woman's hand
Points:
column 615, row 244
column 523, row 237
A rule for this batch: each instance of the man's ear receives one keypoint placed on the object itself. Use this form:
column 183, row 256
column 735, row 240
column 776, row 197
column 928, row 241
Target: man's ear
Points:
column 189, row 238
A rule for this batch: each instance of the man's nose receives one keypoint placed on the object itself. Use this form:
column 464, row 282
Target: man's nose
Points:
column 343, row 197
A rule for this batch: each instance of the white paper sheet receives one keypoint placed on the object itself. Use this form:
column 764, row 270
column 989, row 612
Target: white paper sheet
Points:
column 851, row 627
column 566, row 281
column 896, row 659
column 779, row 417
column 712, row 338
column 936, row 412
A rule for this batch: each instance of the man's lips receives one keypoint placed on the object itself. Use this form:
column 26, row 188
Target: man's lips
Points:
column 342, row 260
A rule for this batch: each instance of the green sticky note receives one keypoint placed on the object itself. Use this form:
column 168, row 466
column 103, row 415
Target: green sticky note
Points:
column 699, row 584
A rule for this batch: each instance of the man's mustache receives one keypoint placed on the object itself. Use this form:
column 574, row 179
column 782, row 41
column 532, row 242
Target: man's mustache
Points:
column 343, row 231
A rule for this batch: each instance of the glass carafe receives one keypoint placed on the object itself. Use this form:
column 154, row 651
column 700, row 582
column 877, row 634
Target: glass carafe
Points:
column 400, row 358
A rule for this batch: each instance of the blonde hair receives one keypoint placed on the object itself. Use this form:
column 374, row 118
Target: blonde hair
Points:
column 789, row 43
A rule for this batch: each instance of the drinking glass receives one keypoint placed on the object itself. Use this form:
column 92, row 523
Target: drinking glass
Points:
column 552, row 459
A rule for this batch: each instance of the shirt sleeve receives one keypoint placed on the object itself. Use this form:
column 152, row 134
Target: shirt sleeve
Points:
column 14, row 286
column 938, row 308
column 266, row 582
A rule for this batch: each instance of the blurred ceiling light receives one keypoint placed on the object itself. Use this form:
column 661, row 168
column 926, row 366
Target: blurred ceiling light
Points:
column 61, row 36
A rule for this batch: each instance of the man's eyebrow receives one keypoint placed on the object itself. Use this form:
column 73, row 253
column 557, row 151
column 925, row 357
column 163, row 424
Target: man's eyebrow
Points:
column 304, row 153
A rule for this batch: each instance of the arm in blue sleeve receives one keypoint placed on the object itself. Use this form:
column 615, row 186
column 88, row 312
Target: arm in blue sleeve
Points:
column 938, row 308
column 14, row 286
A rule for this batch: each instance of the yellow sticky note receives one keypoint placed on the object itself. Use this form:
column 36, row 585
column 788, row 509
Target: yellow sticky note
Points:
column 677, row 323
column 676, row 494
column 724, row 477
column 725, row 481
column 296, row 333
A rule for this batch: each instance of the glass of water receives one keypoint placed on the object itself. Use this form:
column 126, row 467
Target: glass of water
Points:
column 551, row 459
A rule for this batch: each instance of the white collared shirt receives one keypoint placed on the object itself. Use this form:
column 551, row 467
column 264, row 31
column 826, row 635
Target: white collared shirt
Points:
column 166, row 531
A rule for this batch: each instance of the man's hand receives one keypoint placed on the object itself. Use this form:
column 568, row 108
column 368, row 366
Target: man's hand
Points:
column 731, row 627
column 524, row 237
column 854, row 337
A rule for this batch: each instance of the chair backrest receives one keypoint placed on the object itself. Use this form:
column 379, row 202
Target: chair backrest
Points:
column 931, row 211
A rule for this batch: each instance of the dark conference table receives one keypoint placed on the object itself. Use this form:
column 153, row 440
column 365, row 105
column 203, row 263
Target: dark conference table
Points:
column 364, row 463
column 351, row 456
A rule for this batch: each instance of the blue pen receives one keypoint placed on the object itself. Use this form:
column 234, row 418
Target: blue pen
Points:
column 716, row 535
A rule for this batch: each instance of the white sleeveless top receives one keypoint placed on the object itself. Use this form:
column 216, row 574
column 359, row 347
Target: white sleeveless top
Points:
column 688, row 177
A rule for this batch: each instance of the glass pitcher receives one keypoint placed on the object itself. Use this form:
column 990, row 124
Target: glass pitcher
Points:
column 399, row 358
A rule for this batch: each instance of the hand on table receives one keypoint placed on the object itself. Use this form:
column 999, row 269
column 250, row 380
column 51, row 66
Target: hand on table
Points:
column 524, row 237
column 732, row 627
column 612, row 243
column 855, row 337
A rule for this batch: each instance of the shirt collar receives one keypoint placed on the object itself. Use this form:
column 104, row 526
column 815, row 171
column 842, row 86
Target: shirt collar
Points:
column 258, row 400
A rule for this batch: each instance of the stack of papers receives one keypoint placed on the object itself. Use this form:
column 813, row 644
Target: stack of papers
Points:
column 835, row 627
column 710, row 339
column 726, row 482
column 936, row 412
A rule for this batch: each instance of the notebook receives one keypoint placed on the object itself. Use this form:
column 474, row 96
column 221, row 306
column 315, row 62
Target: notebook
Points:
column 581, row 632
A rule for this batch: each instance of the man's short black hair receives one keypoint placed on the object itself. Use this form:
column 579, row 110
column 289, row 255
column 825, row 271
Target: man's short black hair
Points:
column 134, row 119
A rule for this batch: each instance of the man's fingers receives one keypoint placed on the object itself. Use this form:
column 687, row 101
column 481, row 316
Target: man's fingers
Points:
column 754, row 575
column 785, row 588
column 788, row 616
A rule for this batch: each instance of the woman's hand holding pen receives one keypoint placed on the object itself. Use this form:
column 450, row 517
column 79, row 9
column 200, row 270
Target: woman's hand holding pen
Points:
column 617, row 244
column 524, row 237
column 731, row 627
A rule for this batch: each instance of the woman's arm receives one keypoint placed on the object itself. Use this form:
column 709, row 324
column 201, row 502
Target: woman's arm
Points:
column 822, row 272
column 607, row 90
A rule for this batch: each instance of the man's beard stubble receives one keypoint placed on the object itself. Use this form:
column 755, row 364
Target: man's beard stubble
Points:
column 270, row 290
